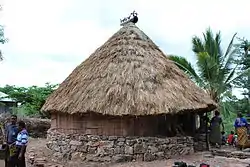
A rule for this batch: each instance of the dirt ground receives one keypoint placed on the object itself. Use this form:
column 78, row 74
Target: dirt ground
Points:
column 37, row 146
column 195, row 159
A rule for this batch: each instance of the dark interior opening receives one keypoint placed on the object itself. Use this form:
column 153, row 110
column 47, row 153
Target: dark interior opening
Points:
column 176, row 125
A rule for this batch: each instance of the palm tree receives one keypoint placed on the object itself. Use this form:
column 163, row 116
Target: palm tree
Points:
column 215, row 71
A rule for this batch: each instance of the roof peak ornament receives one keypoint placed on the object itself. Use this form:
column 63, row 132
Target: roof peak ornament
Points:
column 131, row 18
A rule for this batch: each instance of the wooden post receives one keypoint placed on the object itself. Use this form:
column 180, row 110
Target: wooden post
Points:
column 206, row 129
column 193, row 119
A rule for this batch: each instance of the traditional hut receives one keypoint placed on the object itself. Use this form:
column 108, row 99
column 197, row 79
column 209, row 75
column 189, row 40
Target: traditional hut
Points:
column 128, row 82
column 127, row 87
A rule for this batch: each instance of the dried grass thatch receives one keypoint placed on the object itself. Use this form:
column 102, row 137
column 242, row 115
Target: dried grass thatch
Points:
column 128, row 75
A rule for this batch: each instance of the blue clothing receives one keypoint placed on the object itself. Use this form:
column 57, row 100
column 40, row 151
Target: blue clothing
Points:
column 216, row 121
column 22, row 138
column 240, row 122
column 11, row 133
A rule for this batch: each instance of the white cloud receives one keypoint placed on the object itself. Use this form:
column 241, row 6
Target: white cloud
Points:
column 49, row 38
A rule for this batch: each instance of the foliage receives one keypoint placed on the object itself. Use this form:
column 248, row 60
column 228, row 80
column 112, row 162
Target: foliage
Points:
column 229, row 122
column 3, row 40
column 243, row 82
column 244, row 59
column 31, row 99
column 236, row 105
column 216, row 71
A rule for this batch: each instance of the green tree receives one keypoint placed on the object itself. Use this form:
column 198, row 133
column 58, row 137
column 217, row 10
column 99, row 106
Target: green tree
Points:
column 244, row 81
column 31, row 98
column 215, row 70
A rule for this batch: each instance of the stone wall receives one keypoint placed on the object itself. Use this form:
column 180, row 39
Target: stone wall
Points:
column 117, row 149
column 200, row 142
column 35, row 126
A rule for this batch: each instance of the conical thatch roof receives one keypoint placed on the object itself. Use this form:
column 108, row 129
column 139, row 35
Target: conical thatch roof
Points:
column 128, row 75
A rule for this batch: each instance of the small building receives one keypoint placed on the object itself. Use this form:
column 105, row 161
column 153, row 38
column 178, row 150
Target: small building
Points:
column 128, row 87
column 6, row 103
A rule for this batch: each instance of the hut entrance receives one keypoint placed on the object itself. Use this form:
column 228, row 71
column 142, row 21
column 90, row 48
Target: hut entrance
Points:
column 176, row 125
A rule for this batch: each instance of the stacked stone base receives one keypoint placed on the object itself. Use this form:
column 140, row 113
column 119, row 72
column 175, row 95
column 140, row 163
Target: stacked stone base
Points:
column 231, row 154
column 117, row 149
column 200, row 143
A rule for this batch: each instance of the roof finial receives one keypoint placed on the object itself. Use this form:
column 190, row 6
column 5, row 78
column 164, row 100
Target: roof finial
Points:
column 132, row 18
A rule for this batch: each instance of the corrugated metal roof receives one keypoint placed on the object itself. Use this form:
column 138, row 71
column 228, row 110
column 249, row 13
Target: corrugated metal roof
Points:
column 4, row 98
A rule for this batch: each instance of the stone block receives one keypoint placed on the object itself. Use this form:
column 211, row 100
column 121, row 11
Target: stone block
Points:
column 122, row 158
column 75, row 143
column 152, row 149
column 129, row 150
column 119, row 150
column 139, row 148
column 149, row 157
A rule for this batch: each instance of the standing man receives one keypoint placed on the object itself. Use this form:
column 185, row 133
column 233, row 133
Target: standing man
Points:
column 10, row 139
column 21, row 144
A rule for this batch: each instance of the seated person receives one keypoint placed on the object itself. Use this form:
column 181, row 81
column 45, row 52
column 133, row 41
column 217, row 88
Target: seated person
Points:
column 230, row 139
column 235, row 140
column 224, row 141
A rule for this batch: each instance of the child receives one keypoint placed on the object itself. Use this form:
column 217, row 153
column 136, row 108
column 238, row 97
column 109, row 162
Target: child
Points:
column 224, row 141
column 235, row 140
column 230, row 139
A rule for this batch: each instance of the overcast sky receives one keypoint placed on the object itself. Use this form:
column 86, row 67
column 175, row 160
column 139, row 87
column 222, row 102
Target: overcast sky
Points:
column 49, row 38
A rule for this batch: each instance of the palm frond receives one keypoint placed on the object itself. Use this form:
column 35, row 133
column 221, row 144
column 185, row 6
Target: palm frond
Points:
column 215, row 70
column 230, row 46
column 203, row 68
column 197, row 45
column 209, row 42
column 207, row 67
column 244, row 73
column 187, row 67
column 218, row 49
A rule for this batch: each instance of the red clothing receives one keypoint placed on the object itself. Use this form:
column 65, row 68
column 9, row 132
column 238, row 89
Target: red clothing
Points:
column 230, row 139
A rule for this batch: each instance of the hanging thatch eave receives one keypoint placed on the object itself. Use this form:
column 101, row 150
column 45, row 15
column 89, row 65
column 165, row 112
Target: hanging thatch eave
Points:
column 128, row 75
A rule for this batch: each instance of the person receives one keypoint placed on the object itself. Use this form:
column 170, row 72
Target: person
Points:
column 11, row 132
column 203, row 125
column 248, row 120
column 21, row 144
column 235, row 140
column 241, row 127
column 230, row 138
column 215, row 129
column 223, row 140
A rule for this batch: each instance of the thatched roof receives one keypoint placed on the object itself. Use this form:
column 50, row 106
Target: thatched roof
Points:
column 128, row 75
